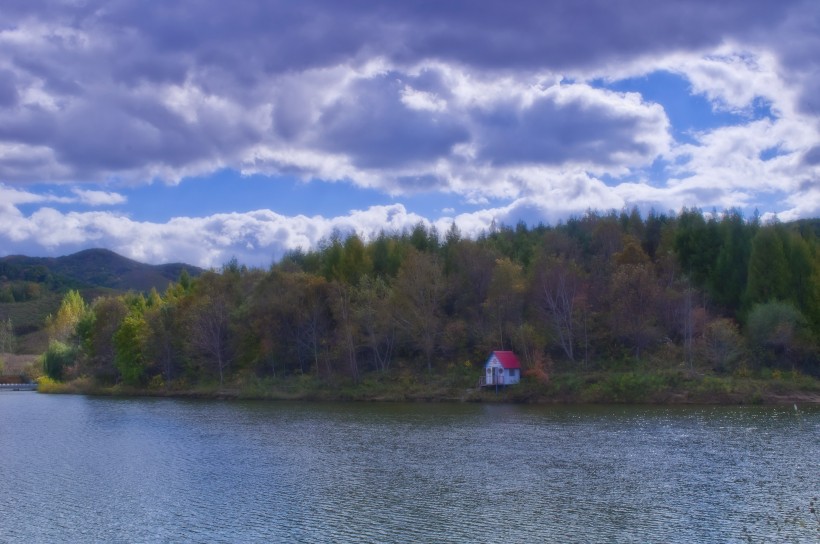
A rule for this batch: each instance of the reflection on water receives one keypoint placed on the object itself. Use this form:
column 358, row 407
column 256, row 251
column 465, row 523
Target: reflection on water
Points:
column 142, row 470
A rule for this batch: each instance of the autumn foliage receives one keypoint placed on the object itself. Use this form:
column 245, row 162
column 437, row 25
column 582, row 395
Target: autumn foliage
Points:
column 694, row 291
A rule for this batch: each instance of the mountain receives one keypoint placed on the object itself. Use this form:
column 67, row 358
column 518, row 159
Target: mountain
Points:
column 92, row 268
column 31, row 288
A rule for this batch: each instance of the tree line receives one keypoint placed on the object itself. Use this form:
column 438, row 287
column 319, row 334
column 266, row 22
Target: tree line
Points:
column 715, row 292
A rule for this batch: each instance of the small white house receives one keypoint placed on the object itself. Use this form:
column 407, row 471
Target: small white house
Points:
column 502, row 368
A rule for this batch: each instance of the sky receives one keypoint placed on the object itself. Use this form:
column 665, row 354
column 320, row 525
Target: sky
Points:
column 199, row 131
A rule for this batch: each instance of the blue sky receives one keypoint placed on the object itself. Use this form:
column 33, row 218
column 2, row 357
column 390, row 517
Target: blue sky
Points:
column 201, row 131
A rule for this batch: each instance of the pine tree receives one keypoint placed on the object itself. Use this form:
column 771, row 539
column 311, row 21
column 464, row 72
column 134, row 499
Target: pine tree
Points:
column 768, row 268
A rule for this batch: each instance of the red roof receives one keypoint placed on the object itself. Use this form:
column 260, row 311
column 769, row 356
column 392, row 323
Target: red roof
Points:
column 508, row 359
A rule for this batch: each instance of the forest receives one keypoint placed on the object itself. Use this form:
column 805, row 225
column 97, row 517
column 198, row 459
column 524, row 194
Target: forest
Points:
column 712, row 293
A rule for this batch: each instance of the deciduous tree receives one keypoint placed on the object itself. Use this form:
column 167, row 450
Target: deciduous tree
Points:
column 372, row 309
column 419, row 290
column 209, row 330
column 557, row 285
column 505, row 303
column 61, row 325
column 633, row 296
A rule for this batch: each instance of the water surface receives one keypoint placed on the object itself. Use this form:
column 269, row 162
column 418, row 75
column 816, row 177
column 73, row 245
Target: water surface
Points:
column 84, row 469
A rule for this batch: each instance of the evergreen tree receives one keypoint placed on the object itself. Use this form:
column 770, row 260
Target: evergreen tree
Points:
column 801, row 268
column 697, row 243
column 768, row 277
column 727, row 282
column 129, row 344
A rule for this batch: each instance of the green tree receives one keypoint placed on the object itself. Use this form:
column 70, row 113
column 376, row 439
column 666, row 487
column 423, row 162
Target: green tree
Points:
column 769, row 276
column 57, row 358
column 7, row 338
column 332, row 251
column 355, row 261
column 6, row 294
column 129, row 344
column 727, row 283
column 802, row 290
column 697, row 243
column 653, row 232
column 97, row 340
column 775, row 330
column 424, row 239
column 385, row 255
column 185, row 280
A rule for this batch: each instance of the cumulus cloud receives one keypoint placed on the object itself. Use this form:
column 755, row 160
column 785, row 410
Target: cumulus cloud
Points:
column 257, row 238
column 374, row 125
column 98, row 198
column 142, row 91
column 573, row 123
column 491, row 101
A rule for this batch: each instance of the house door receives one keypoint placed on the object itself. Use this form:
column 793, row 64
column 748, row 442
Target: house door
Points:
column 490, row 377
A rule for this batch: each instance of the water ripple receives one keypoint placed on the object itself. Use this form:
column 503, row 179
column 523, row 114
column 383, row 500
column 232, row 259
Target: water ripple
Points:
column 148, row 470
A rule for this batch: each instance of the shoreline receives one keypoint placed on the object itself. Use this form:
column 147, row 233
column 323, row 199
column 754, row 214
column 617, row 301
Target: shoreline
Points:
column 609, row 389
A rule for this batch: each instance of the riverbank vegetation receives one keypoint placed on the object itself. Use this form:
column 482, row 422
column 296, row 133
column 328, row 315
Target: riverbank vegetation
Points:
column 605, row 307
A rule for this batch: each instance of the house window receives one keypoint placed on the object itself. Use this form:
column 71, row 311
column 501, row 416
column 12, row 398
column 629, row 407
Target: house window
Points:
column 512, row 372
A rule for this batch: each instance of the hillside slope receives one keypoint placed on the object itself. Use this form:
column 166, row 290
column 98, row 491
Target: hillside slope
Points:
column 31, row 288
column 93, row 268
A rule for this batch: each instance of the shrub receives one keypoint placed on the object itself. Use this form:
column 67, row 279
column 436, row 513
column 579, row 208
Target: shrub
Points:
column 722, row 345
column 57, row 358
column 46, row 384
column 774, row 325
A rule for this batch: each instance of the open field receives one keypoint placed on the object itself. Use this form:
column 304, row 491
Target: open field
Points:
column 14, row 364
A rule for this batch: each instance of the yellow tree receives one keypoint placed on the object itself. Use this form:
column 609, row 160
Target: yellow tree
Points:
column 62, row 325
column 634, row 292
column 419, row 290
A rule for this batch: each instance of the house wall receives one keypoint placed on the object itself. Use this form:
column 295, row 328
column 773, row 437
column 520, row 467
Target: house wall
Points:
column 493, row 364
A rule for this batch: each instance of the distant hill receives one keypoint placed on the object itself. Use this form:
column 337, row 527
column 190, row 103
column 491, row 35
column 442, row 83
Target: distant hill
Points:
column 93, row 268
column 807, row 225
column 32, row 287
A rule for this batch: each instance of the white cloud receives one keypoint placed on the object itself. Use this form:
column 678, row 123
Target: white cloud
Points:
column 12, row 197
column 420, row 100
column 98, row 198
column 733, row 78
column 256, row 238
column 398, row 101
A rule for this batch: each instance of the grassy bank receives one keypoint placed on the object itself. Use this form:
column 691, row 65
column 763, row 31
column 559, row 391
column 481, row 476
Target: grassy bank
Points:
column 671, row 387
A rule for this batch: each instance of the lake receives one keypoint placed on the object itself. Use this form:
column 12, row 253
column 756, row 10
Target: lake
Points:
column 86, row 469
